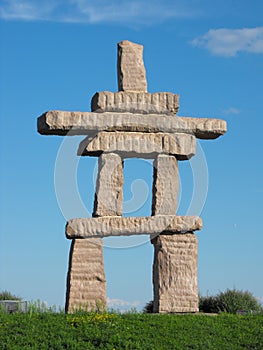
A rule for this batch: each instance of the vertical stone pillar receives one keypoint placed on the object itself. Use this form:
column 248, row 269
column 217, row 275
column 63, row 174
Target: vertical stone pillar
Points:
column 175, row 273
column 165, row 185
column 131, row 70
column 86, row 282
column 109, row 194
column 175, row 256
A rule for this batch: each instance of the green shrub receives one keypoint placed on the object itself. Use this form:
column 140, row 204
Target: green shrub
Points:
column 148, row 308
column 231, row 301
column 208, row 304
column 5, row 295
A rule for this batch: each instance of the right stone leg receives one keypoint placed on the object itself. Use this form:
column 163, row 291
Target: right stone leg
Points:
column 175, row 256
column 86, row 283
column 175, row 273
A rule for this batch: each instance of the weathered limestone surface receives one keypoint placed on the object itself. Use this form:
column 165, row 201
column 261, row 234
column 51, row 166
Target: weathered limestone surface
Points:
column 135, row 144
column 86, row 283
column 134, row 123
column 175, row 256
column 135, row 102
column 86, row 287
column 131, row 70
column 127, row 226
column 165, row 185
column 82, row 123
column 175, row 273
column 109, row 194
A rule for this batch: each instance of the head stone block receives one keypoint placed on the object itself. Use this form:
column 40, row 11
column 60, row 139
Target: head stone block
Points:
column 131, row 70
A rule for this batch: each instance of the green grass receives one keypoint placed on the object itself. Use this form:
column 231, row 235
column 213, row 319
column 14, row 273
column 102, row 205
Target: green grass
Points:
column 129, row 331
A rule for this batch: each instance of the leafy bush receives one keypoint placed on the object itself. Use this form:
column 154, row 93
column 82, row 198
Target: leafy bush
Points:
column 148, row 308
column 5, row 295
column 208, row 304
column 234, row 300
column 231, row 301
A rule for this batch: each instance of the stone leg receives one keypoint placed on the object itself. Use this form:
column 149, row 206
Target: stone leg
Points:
column 86, row 283
column 175, row 256
column 109, row 194
column 175, row 273
column 165, row 185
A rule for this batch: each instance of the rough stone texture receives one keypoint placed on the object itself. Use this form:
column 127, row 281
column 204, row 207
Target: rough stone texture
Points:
column 127, row 226
column 131, row 70
column 140, row 145
column 135, row 102
column 82, row 123
column 86, row 286
column 175, row 273
column 86, row 283
column 165, row 185
column 175, row 256
column 109, row 195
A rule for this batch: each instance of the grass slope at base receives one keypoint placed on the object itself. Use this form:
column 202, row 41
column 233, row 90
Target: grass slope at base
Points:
column 129, row 331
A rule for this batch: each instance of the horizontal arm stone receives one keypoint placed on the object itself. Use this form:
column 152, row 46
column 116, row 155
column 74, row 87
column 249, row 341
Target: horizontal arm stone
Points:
column 127, row 226
column 81, row 123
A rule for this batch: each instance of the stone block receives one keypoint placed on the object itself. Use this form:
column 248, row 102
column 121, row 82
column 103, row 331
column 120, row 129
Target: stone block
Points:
column 126, row 226
column 140, row 145
column 135, row 102
column 109, row 194
column 175, row 273
column 165, row 185
column 12, row 306
column 86, row 283
column 131, row 70
column 82, row 123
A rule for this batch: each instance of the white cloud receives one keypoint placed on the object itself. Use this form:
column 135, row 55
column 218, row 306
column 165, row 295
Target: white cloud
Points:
column 96, row 11
column 119, row 303
column 231, row 110
column 26, row 10
column 228, row 42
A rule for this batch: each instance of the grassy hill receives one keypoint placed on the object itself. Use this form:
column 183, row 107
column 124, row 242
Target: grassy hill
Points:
column 54, row 331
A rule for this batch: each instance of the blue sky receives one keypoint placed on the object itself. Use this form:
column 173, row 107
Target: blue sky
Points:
column 56, row 55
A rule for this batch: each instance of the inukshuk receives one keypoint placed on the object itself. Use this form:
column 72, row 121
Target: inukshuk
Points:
column 134, row 123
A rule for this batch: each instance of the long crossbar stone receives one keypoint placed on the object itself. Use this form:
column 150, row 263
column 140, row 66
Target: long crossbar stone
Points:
column 81, row 123
column 128, row 226
column 139, row 144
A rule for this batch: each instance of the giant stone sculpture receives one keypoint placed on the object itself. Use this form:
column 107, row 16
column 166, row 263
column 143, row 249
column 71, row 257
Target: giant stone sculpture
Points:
column 123, row 124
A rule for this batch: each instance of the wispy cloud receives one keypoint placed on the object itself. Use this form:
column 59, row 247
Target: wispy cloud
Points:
column 26, row 10
column 96, row 11
column 228, row 42
column 231, row 111
column 119, row 303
